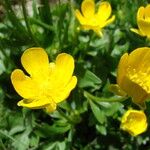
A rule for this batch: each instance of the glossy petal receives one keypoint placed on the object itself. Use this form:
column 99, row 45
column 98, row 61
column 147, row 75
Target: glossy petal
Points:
column 147, row 12
column 88, row 8
column 134, row 122
column 122, row 68
column 35, row 61
column 64, row 69
column 62, row 93
column 141, row 13
column 137, row 31
column 133, row 75
column 144, row 26
column 37, row 103
column 79, row 16
column 143, row 21
column 110, row 20
column 104, row 11
column 24, row 85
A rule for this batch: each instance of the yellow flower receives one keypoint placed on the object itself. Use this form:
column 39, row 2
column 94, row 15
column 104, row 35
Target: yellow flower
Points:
column 47, row 83
column 134, row 122
column 133, row 76
column 143, row 21
column 94, row 21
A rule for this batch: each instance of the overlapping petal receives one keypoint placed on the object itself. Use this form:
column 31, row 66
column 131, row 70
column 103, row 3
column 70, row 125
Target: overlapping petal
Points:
column 134, row 74
column 35, row 61
column 23, row 84
column 143, row 21
column 62, row 93
column 88, row 8
column 37, row 103
column 104, row 7
column 91, row 20
column 134, row 122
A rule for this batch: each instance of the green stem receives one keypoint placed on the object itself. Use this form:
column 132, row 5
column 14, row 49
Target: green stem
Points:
column 64, row 115
column 10, row 137
column 104, row 99
column 27, row 23
column 2, row 145
column 42, row 24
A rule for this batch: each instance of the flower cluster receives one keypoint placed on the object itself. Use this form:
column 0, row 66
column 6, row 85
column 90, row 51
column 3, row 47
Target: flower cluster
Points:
column 47, row 84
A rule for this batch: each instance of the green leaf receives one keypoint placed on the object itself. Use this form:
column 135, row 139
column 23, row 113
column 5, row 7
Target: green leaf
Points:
column 101, row 129
column 90, row 80
column 45, row 130
column 98, row 113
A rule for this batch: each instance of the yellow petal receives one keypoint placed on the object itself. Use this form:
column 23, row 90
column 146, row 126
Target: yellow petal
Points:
column 122, row 68
column 110, row 20
column 37, row 103
column 64, row 69
column 88, row 8
column 24, row 85
column 79, row 16
column 144, row 26
column 139, row 58
column 147, row 12
column 104, row 11
column 138, row 94
column 141, row 13
column 62, row 93
column 137, row 31
column 134, row 74
column 35, row 61
column 134, row 122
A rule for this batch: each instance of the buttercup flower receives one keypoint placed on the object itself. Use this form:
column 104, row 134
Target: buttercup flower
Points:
column 134, row 122
column 143, row 21
column 133, row 76
column 47, row 83
column 89, row 19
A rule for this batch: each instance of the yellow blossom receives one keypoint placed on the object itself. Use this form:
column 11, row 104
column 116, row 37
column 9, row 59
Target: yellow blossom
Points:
column 89, row 19
column 133, row 76
column 47, row 83
column 143, row 21
column 134, row 122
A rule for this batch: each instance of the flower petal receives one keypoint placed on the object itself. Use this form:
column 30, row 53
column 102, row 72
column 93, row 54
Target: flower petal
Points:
column 110, row 20
column 138, row 94
column 147, row 12
column 23, row 84
column 137, row 31
column 139, row 58
column 88, row 8
column 79, row 16
column 104, row 11
column 122, row 68
column 64, row 69
column 35, row 61
column 141, row 13
column 37, row 103
column 61, row 94
column 134, row 122
column 144, row 27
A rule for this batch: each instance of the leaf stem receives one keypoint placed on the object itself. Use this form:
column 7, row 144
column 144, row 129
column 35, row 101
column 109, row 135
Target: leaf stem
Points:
column 27, row 23
column 64, row 115
column 104, row 99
